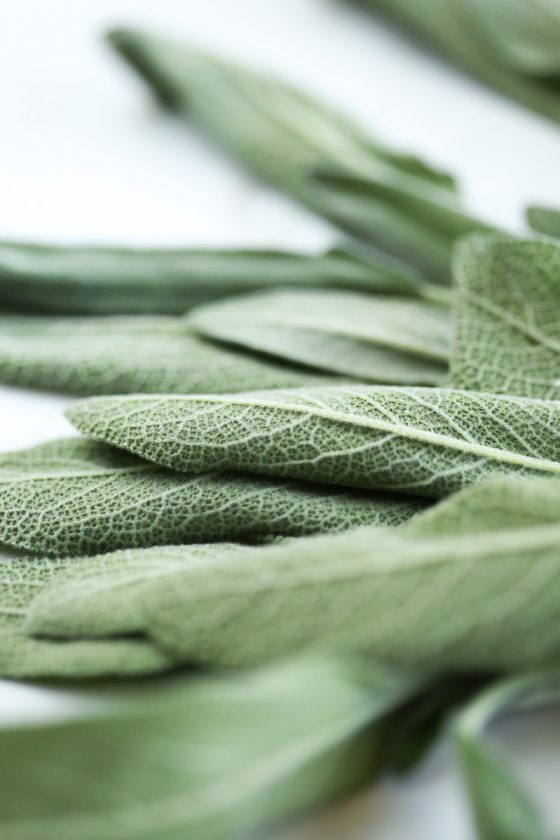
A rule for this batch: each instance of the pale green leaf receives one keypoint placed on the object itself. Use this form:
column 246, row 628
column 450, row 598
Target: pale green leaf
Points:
column 118, row 355
column 425, row 441
column 544, row 220
column 507, row 331
column 22, row 656
column 502, row 808
column 108, row 280
column 207, row 758
column 75, row 496
column 418, row 596
column 284, row 135
column 377, row 339
column 511, row 45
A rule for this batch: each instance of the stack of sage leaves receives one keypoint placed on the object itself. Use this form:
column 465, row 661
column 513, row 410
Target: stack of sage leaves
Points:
column 314, row 511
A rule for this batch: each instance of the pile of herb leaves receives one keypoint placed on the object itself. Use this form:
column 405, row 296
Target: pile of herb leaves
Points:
column 314, row 514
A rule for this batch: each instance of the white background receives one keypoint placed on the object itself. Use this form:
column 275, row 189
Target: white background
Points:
column 86, row 156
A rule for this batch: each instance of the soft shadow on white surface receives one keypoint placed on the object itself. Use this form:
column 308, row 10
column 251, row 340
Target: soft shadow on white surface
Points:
column 87, row 156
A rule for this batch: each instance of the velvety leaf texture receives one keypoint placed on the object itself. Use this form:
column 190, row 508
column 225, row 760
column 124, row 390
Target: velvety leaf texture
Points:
column 205, row 759
column 23, row 657
column 424, row 441
column 511, row 45
column 507, row 332
column 420, row 596
column 502, row 808
column 116, row 355
column 378, row 339
column 104, row 280
column 284, row 135
column 544, row 220
column 76, row 496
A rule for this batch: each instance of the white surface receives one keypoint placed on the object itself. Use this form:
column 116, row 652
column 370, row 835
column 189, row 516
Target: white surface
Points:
column 84, row 155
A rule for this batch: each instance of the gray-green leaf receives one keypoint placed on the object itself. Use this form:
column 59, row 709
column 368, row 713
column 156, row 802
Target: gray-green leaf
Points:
column 544, row 220
column 120, row 355
column 502, row 808
column 207, row 758
column 75, row 496
column 511, row 45
column 105, row 280
column 420, row 596
column 23, row 657
column 425, row 441
column 285, row 136
column 377, row 339
column 507, row 332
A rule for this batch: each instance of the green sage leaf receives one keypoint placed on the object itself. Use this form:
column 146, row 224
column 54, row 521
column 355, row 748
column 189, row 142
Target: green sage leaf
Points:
column 107, row 280
column 425, row 441
column 207, row 758
column 284, row 135
column 377, row 339
column 511, row 45
column 137, row 354
column 507, row 334
column 419, row 596
column 75, row 496
column 24, row 657
column 544, row 220
column 502, row 808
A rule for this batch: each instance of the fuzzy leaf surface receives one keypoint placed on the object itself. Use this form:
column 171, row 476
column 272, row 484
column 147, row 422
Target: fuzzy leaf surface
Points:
column 75, row 497
column 544, row 220
column 507, row 333
column 377, row 339
column 424, row 441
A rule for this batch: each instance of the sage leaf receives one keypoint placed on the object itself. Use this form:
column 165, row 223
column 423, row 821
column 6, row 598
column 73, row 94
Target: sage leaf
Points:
column 424, row 441
column 136, row 354
column 544, row 220
column 502, row 808
column 377, row 339
column 24, row 657
column 74, row 496
column 506, row 334
column 418, row 596
column 108, row 281
column 206, row 758
column 285, row 135
column 511, row 45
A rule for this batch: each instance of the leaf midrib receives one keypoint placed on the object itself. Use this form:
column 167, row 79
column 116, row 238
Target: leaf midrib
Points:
column 516, row 324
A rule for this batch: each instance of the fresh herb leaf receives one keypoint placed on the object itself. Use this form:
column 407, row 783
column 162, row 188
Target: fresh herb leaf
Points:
column 502, row 808
column 419, row 596
column 285, row 136
column 75, row 497
column 507, row 333
column 22, row 656
column 104, row 280
column 378, row 339
column 425, row 441
column 136, row 354
column 511, row 45
column 206, row 758
column 544, row 220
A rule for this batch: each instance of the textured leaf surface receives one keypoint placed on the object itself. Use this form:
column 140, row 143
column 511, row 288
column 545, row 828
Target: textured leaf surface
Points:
column 105, row 355
column 511, row 45
column 544, row 220
column 502, row 808
column 417, row 596
column 378, row 339
column 284, row 135
column 76, row 497
column 21, row 656
column 507, row 331
column 420, row 440
column 103, row 280
column 208, row 759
